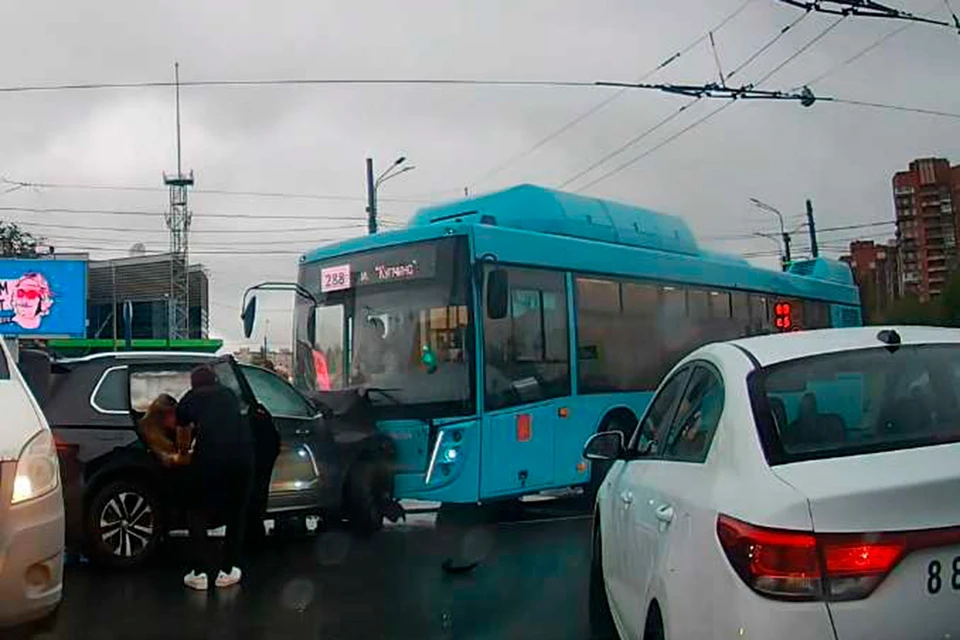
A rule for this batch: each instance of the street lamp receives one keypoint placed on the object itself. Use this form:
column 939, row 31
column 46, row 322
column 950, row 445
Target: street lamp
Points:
column 372, row 185
column 763, row 206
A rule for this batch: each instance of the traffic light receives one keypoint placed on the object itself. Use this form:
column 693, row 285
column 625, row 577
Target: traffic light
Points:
column 783, row 318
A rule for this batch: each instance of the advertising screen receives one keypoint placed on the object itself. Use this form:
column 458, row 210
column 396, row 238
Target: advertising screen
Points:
column 43, row 297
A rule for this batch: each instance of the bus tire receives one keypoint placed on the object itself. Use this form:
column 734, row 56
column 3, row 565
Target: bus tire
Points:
column 620, row 420
column 366, row 487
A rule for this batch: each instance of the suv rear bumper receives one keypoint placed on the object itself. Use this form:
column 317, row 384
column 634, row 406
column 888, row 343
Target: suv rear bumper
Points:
column 31, row 553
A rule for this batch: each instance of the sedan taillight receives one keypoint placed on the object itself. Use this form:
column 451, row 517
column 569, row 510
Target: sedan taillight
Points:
column 797, row 565
column 779, row 564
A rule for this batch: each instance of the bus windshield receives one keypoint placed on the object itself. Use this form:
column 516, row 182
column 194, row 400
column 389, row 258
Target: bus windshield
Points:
column 394, row 321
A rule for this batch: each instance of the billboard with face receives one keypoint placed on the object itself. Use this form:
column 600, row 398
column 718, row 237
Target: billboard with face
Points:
column 43, row 297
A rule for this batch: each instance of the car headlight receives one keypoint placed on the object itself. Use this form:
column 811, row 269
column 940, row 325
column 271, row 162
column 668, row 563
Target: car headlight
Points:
column 38, row 472
column 294, row 470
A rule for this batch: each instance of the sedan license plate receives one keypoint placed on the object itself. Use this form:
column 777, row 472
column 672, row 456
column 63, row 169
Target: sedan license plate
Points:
column 943, row 575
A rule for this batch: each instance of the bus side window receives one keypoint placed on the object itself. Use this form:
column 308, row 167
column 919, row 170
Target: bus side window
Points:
column 761, row 315
column 816, row 315
column 617, row 335
column 527, row 355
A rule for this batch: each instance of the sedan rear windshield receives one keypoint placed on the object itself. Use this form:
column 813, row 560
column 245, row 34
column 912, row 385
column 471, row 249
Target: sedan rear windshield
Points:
column 863, row 401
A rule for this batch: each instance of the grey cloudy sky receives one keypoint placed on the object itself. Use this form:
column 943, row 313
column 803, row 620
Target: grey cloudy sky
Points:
column 313, row 139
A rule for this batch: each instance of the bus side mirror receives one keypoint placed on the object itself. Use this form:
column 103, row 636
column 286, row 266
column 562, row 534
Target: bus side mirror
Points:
column 498, row 288
column 312, row 326
column 248, row 315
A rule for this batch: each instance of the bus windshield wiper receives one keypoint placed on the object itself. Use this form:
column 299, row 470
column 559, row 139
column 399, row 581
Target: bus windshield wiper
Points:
column 384, row 392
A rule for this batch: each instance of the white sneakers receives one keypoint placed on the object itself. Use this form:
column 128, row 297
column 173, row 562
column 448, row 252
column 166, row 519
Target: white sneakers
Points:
column 200, row 581
column 229, row 579
column 196, row 581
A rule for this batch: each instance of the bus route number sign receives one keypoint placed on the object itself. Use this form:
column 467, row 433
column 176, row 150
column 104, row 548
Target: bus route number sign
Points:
column 335, row 278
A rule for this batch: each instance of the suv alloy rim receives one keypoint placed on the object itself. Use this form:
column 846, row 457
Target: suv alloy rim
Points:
column 126, row 524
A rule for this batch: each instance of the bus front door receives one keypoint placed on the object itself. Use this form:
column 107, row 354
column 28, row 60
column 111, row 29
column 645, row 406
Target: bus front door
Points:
column 517, row 455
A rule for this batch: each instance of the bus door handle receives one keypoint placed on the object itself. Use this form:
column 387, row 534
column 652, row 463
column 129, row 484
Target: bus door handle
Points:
column 627, row 497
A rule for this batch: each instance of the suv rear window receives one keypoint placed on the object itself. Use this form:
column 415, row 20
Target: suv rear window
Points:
column 858, row 402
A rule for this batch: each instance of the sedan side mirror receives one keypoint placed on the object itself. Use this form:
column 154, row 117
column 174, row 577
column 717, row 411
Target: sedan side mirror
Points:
column 607, row 445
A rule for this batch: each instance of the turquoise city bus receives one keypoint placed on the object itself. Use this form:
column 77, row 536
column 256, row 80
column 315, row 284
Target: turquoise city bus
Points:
column 494, row 335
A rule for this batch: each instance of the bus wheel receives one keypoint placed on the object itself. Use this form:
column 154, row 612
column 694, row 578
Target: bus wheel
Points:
column 366, row 490
column 622, row 421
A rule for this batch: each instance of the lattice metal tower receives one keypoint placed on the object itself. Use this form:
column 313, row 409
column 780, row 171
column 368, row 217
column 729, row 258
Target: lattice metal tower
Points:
column 178, row 220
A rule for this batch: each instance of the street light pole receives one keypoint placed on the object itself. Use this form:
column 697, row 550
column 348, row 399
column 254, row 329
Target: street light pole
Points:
column 371, row 199
column 763, row 206
column 373, row 185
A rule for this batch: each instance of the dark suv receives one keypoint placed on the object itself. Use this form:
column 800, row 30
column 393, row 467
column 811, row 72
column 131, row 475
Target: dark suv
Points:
column 120, row 501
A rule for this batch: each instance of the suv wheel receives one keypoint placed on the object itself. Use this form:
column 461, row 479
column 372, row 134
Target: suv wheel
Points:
column 124, row 524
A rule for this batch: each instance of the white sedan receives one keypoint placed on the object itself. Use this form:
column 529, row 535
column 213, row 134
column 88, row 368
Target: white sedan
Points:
column 803, row 485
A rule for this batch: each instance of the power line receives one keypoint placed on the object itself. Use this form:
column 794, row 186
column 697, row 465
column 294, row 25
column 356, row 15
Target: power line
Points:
column 848, row 227
column 672, row 116
column 802, row 50
column 278, row 82
column 606, row 101
column 893, row 107
column 865, row 225
column 871, row 9
column 159, row 214
column 759, row 52
column 17, row 184
column 192, row 231
column 713, row 90
column 656, row 148
column 220, row 244
column 872, row 46
column 259, row 309
column 198, row 252
column 629, row 143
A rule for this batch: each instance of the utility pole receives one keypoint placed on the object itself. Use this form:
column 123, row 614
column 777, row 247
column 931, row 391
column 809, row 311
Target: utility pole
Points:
column 113, row 277
column 372, row 186
column 786, row 258
column 371, row 199
column 814, row 249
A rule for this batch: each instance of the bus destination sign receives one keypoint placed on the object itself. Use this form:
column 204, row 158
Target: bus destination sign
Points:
column 414, row 262
column 381, row 273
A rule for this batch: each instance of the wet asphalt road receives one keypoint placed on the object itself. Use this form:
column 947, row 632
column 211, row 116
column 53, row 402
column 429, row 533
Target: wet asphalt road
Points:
column 532, row 583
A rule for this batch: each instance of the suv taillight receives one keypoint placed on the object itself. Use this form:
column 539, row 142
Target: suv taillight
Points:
column 796, row 565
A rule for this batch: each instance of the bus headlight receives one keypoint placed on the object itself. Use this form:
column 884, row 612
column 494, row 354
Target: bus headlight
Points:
column 38, row 472
column 446, row 453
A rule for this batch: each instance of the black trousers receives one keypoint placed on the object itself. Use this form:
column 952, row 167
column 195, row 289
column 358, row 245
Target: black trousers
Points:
column 223, row 496
column 256, row 509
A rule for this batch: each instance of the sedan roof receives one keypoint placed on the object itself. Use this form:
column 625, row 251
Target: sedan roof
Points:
column 772, row 349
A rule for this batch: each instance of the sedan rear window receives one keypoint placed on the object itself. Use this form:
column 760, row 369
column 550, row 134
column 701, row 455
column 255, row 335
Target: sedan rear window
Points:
column 860, row 401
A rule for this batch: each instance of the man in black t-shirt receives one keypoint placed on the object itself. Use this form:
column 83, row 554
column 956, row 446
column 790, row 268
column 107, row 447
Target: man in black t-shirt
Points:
column 222, row 472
